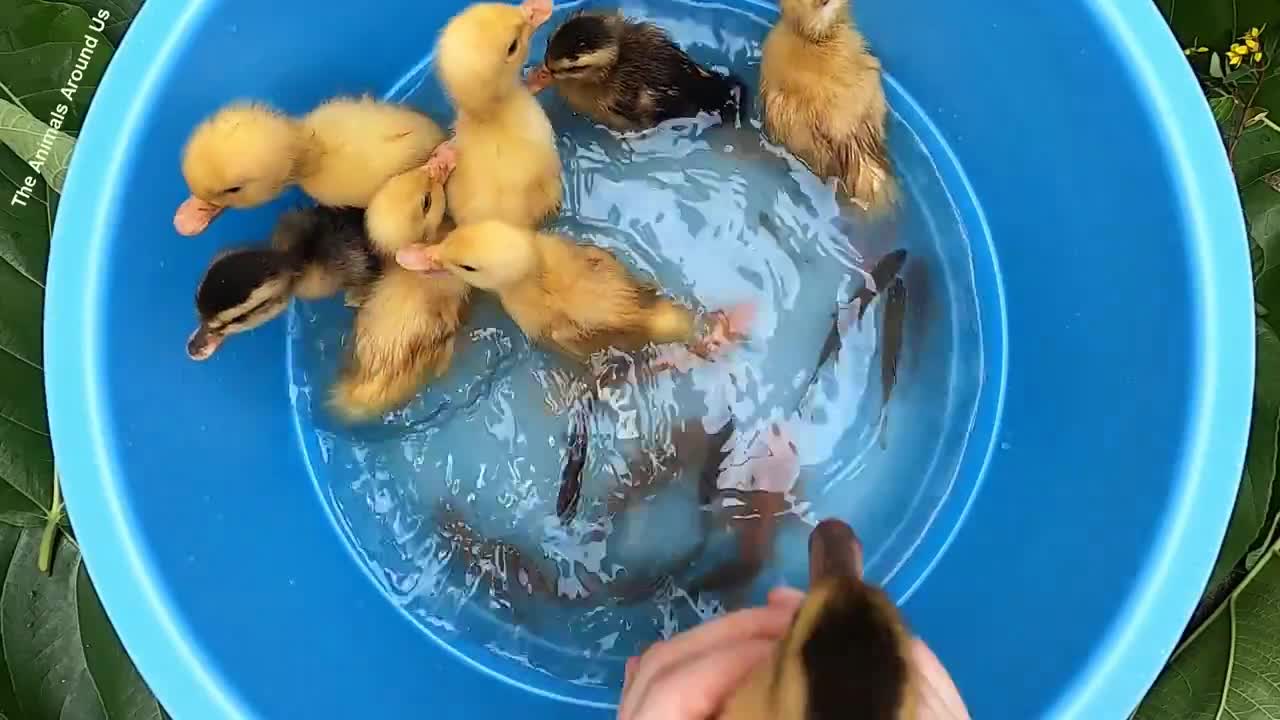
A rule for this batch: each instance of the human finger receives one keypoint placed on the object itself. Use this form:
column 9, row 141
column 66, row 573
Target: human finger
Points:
column 786, row 598
column 696, row 688
column 937, row 697
column 763, row 622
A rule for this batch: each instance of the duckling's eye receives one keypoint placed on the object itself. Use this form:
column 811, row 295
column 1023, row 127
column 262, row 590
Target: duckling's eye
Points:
column 232, row 190
column 515, row 45
column 426, row 204
column 468, row 268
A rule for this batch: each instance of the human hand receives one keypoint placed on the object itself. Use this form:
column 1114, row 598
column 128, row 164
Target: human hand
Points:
column 690, row 676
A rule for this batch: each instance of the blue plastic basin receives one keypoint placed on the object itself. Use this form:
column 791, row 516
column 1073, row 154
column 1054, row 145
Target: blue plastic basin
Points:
column 1117, row 300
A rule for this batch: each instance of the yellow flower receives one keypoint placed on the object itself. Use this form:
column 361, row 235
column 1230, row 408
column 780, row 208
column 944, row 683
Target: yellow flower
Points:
column 1257, row 57
column 1234, row 59
column 1252, row 44
column 1195, row 51
column 1253, row 33
column 1238, row 49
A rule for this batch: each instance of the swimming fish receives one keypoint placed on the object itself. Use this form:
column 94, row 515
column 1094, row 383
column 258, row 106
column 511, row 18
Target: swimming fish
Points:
column 895, row 311
column 882, row 275
column 575, row 461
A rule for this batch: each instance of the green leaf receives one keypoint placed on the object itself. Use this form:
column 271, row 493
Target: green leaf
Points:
column 1256, row 154
column 1215, row 65
column 45, row 149
column 18, row 518
column 41, row 630
column 51, row 59
column 1228, row 668
column 1222, row 107
column 121, row 12
column 1262, row 208
column 123, row 693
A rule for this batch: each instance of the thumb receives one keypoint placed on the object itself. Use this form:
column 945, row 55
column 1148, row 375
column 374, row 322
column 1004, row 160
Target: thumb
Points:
column 696, row 689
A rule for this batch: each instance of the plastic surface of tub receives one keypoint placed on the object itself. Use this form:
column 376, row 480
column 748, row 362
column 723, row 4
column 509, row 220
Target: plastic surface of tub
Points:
column 1118, row 441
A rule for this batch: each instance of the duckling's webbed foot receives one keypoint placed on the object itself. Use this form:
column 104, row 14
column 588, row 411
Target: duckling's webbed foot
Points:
column 537, row 12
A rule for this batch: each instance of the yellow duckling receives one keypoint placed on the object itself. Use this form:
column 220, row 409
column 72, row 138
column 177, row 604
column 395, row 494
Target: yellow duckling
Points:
column 340, row 153
column 847, row 654
column 404, row 331
column 410, row 207
column 824, row 99
column 508, row 166
column 575, row 298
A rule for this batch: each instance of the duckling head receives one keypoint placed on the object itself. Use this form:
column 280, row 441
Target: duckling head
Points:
column 844, row 655
column 482, row 50
column 241, row 290
column 585, row 47
column 815, row 19
column 490, row 255
column 409, row 208
column 242, row 156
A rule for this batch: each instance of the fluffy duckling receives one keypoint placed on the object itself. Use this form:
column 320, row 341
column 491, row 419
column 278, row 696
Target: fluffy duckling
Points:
column 575, row 298
column 340, row 153
column 410, row 207
column 847, row 654
column 404, row 332
column 824, row 100
column 403, row 338
column 314, row 253
column 631, row 75
column 508, row 167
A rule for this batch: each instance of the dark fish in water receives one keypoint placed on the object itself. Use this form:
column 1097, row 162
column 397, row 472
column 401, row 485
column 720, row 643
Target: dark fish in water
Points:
column 756, row 519
column 709, row 475
column 895, row 312
column 575, row 461
column 882, row 274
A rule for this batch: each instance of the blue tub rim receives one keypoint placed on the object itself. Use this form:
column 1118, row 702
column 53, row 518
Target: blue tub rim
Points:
column 1125, row 663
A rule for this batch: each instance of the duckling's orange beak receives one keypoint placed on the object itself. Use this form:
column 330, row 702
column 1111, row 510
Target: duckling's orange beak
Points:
column 834, row 550
column 194, row 215
column 202, row 343
column 420, row 258
column 536, row 12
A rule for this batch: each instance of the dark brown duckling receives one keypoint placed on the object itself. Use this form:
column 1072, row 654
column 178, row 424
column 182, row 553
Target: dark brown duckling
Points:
column 314, row 253
column 847, row 653
column 631, row 75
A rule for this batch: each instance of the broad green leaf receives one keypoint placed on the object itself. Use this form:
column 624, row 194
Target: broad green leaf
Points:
column 25, row 224
column 1223, row 107
column 45, row 149
column 51, row 59
column 1262, row 208
column 1230, row 667
column 1215, row 65
column 123, row 693
column 121, row 12
column 41, row 629
column 18, row 518
column 1256, row 154
column 8, row 699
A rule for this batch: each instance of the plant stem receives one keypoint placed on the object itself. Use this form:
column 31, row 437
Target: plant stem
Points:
column 1244, row 120
column 45, row 559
